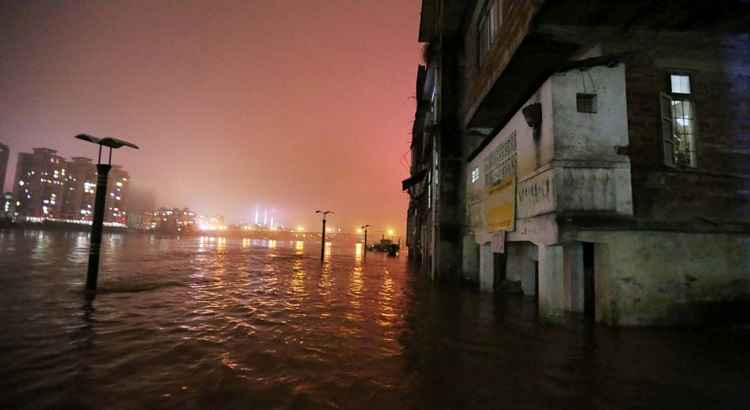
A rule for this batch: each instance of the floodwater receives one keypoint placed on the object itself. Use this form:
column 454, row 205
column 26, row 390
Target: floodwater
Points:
column 214, row 323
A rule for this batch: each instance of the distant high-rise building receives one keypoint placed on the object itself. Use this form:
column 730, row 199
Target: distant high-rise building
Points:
column 117, row 187
column 46, row 185
column 170, row 220
column 40, row 183
column 4, row 153
column 7, row 206
column 80, row 189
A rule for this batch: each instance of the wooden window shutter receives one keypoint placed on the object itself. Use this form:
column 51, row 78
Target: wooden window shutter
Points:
column 667, row 131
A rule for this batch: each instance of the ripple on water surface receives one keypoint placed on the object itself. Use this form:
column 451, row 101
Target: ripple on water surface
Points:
column 225, row 323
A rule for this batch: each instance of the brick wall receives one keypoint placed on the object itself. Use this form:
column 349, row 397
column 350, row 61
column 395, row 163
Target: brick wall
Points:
column 719, row 65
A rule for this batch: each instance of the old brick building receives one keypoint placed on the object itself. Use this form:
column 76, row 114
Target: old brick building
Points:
column 595, row 155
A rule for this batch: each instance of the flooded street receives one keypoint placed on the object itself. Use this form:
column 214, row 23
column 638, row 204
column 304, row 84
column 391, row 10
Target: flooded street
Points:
column 219, row 323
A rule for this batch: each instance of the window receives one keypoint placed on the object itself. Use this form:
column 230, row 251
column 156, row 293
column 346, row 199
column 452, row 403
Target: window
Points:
column 679, row 83
column 586, row 103
column 679, row 122
column 475, row 175
column 489, row 25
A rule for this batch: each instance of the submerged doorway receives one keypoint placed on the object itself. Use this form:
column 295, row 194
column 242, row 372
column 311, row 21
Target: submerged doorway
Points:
column 589, row 285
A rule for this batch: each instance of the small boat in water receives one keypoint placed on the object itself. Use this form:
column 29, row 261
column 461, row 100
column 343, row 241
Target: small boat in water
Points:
column 386, row 245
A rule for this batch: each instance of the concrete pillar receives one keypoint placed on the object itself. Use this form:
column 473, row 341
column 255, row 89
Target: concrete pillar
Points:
column 486, row 268
column 573, row 280
column 470, row 265
column 551, row 281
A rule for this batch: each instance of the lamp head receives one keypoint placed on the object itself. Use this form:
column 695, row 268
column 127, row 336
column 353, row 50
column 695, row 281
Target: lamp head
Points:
column 88, row 138
column 116, row 143
column 110, row 142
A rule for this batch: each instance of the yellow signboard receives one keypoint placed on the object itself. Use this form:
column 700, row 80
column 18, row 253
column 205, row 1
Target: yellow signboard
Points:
column 500, row 205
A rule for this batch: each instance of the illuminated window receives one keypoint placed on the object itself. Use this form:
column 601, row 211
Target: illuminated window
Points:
column 680, row 83
column 679, row 123
column 475, row 175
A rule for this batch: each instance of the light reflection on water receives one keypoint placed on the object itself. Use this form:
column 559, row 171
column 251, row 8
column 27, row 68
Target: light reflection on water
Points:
column 246, row 323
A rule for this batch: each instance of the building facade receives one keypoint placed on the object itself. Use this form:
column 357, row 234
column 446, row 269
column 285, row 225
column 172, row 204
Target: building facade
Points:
column 117, row 185
column 171, row 220
column 40, row 183
column 80, row 189
column 592, row 156
column 48, row 186
column 8, row 206
column 4, row 155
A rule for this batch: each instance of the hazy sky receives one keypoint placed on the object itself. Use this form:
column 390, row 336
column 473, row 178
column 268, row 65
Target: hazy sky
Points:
column 293, row 104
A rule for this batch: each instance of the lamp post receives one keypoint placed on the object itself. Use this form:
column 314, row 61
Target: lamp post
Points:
column 102, row 171
column 364, row 228
column 323, row 235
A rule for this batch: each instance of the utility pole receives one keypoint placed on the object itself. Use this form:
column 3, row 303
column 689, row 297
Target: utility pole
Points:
column 323, row 234
column 97, row 226
column 364, row 254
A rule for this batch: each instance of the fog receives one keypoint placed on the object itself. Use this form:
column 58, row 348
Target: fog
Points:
column 290, row 105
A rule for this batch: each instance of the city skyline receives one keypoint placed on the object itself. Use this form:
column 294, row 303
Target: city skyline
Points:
column 241, row 122
column 77, row 188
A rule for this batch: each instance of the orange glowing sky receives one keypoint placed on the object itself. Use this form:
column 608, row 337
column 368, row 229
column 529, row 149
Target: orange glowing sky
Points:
column 293, row 104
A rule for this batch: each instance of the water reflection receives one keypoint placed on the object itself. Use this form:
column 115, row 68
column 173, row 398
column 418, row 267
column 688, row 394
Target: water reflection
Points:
column 388, row 313
column 221, row 244
column 325, row 283
column 358, row 251
column 297, row 282
column 210, row 324
column 328, row 250
column 356, row 288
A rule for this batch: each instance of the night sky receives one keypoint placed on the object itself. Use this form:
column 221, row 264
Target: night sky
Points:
column 292, row 104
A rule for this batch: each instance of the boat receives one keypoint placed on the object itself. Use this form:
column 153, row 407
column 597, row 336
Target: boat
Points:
column 387, row 246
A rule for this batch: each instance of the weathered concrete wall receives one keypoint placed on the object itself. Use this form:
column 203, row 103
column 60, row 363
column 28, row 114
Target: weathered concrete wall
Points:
column 570, row 164
column 530, row 152
column 590, row 136
column 664, row 278
column 594, row 176
column 551, row 281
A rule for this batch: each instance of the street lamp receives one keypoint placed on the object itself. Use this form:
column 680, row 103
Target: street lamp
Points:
column 323, row 235
column 102, row 171
column 364, row 228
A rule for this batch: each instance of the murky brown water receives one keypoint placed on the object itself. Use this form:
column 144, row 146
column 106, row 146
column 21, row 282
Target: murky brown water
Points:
column 241, row 324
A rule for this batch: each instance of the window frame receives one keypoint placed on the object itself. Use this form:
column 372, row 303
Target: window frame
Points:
column 475, row 176
column 587, row 97
column 492, row 22
column 690, row 97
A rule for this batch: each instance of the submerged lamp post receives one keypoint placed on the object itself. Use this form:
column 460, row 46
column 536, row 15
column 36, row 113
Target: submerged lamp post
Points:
column 364, row 228
column 323, row 235
column 102, row 171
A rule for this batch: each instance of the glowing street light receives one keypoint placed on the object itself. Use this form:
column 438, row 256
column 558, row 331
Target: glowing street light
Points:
column 102, row 170
column 323, row 234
